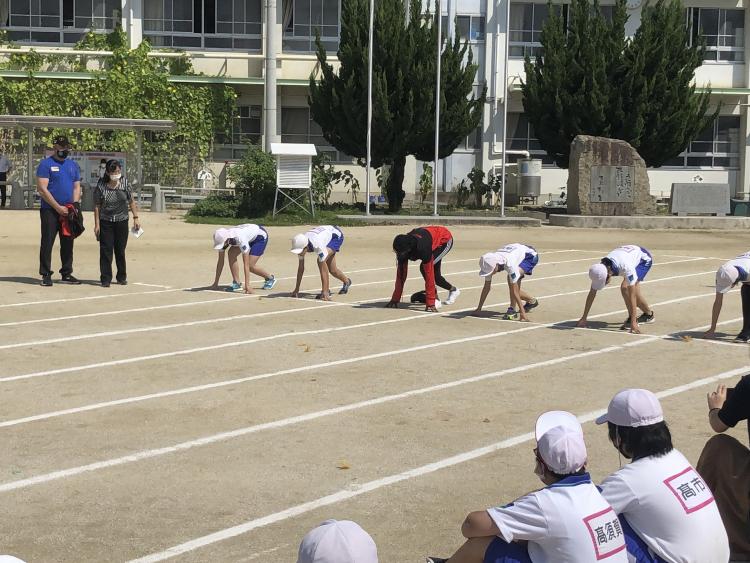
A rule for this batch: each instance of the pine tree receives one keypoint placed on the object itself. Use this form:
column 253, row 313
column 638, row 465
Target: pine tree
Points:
column 589, row 79
column 403, row 89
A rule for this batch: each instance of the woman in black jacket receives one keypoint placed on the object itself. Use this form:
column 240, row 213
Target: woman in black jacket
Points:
column 113, row 198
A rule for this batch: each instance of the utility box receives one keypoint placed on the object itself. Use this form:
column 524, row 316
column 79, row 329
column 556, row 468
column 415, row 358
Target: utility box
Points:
column 530, row 177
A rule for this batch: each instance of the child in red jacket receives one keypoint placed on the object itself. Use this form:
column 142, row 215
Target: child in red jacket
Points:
column 429, row 245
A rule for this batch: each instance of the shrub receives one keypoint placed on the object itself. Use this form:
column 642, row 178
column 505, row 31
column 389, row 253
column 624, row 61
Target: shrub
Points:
column 254, row 179
column 221, row 205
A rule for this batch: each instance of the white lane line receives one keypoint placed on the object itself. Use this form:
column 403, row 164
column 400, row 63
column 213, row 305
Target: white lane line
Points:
column 311, row 367
column 200, row 322
column 230, row 298
column 370, row 486
column 282, row 423
column 153, row 285
column 135, row 293
column 245, row 342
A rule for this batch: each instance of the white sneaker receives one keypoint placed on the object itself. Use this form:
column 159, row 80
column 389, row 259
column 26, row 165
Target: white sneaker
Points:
column 438, row 304
column 452, row 296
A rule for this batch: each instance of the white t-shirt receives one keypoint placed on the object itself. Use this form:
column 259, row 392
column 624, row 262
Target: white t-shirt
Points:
column 625, row 261
column 568, row 522
column 510, row 258
column 743, row 263
column 245, row 235
column 670, row 507
column 319, row 237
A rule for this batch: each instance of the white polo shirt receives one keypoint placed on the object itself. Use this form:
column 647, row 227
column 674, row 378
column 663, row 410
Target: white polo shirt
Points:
column 245, row 235
column 670, row 507
column 742, row 263
column 319, row 237
column 568, row 522
column 510, row 258
column 626, row 260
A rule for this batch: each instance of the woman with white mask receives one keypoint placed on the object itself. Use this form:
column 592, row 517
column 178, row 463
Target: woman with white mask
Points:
column 113, row 198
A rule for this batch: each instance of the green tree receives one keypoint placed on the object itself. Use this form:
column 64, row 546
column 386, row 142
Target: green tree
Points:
column 590, row 79
column 403, row 89
column 129, row 84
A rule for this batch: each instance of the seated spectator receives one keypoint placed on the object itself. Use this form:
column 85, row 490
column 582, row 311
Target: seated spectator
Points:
column 725, row 464
column 568, row 521
column 337, row 541
column 667, row 512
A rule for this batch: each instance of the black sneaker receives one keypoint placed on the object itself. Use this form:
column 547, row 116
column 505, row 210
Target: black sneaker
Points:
column 345, row 288
column 436, row 560
column 122, row 282
column 531, row 305
column 106, row 284
column 46, row 281
column 742, row 338
column 646, row 318
column 71, row 280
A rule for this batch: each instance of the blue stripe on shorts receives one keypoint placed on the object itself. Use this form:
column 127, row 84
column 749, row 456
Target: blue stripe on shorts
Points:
column 336, row 242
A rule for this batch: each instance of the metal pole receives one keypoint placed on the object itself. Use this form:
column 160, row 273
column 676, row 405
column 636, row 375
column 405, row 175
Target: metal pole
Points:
column 269, row 101
column 139, row 162
column 369, row 106
column 438, row 15
column 505, row 106
column 30, row 163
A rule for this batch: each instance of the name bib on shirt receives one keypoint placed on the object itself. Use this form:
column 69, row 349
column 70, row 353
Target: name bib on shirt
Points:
column 690, row 490
column 606, row 533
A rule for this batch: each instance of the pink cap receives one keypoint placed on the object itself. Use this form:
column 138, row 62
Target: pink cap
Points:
column 598, row 276
column 220, row 237
column 633, row 408
column 560, row 443
column 337, row 541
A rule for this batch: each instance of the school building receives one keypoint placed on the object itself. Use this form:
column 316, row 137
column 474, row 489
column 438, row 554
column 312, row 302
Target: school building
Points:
column 230, row 43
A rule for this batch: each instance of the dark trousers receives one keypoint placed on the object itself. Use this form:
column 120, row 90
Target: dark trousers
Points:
column 50, row 227
column 113, row 236
column 440, row 281
column 745, row 294
column 3, row 188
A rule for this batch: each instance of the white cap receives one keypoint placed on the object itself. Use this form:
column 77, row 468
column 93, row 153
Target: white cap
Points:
column 487, row 264
column 10, row 559
column 220, row 237
column 726, row 277
column 633, row 408
column 335, row 541
column 299, row 243
column 560, row 443
column 598, row 274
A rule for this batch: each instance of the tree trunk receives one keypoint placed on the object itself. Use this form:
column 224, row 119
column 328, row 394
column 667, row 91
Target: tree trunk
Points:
column 395, row 184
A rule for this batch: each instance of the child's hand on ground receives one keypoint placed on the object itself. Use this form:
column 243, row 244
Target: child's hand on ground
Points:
column 581, row 324
column 476, row 313
column 214, row 286
column 248, row 289
column 325, row 297
column 294, row 293
column 709, row 334
column 634, row 328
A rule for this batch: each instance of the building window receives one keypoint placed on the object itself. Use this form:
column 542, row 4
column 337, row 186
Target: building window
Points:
column 59, row 22
column 297, row 126
column 717, row 146
column 525, row 28
column 203, row 24
column 723, row 31
column 302, row 19
column 245, row 129
column 467, row 27
column 521, row 138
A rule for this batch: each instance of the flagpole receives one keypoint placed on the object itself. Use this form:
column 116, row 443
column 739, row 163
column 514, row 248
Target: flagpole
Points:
column 439, row 17
column 369, row 106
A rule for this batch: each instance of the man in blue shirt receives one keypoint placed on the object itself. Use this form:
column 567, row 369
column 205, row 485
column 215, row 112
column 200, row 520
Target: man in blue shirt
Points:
column 58, row 181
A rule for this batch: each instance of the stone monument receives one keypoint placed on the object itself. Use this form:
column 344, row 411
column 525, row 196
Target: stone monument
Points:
column 607, row 177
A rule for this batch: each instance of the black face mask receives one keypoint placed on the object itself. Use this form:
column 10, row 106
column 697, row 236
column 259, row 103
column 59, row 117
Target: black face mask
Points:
column 63, row 154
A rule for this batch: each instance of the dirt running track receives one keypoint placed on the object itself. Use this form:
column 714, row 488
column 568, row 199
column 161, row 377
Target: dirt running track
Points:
column 158, row 420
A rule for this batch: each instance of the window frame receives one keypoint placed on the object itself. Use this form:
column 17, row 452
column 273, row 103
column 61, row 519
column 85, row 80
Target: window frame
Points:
column 289, row 38
column 309, row 137
column 714, row 52
column 66, row 32
column 732, row 158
